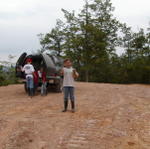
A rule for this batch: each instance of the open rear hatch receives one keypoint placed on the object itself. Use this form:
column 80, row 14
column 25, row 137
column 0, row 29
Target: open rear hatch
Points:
column 19, row 63
column 50, row 66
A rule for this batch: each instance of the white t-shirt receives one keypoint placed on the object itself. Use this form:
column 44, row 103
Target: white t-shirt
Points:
column 28, row 69
column 68, row 77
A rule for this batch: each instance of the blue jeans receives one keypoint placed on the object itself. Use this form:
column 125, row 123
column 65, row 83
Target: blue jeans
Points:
column 44, row 89
column 68, row 92
column 30, row 83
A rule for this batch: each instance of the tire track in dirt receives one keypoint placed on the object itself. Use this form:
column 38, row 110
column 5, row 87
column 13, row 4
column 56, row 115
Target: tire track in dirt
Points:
column 79, row 139
column 108, row 117
column 6, row 131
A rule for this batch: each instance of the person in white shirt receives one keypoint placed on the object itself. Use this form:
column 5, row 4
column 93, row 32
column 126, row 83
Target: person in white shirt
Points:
column 29, row 72
column 69, row 74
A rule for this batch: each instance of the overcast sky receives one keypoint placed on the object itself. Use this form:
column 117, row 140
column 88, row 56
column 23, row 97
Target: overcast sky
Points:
column 22, row 20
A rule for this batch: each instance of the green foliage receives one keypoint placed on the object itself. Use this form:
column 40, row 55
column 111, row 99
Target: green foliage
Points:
column 7, row 75
column 90, row 39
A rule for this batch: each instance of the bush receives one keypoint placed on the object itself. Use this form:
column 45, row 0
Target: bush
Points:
column 7, row 75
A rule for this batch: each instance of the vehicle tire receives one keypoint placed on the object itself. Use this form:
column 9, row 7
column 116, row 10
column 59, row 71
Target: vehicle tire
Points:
column 25, row 87
column 58, row 88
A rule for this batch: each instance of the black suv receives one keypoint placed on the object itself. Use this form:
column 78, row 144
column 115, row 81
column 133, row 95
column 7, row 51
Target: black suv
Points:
column 51, row 64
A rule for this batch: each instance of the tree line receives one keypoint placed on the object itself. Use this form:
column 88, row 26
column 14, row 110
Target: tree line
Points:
column 7, row 75
column 91, row 38
column 7, row 72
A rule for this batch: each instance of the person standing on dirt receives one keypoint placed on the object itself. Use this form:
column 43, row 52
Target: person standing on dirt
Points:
column 42, row 76
column 36, row 81
column 29, row 72
column 69, row 74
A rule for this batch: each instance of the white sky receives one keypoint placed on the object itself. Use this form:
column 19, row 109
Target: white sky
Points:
column 22, row 20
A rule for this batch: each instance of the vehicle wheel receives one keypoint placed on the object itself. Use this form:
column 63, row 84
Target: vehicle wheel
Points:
column 25, row 87
column 58, row 88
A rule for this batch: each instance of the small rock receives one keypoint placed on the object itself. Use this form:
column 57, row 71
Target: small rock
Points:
column 30, row 140
column 131, row 143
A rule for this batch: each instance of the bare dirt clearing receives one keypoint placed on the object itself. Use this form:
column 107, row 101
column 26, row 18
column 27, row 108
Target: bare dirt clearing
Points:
column 108, row 117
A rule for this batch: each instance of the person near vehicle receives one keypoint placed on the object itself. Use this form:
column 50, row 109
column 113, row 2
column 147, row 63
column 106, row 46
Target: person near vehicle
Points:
column 42, row 76
column 69, row 75
column 29, row 72
column 36, row 80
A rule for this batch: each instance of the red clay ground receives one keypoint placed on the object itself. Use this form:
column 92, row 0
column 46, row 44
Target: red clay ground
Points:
column 108, row 117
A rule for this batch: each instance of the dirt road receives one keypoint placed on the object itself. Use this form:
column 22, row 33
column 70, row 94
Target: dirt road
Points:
column 108, row 117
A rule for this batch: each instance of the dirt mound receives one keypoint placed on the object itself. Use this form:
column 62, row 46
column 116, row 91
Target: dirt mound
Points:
column 108, row 117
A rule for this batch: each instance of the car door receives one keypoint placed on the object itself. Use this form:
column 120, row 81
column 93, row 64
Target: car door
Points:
column 19, row 63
